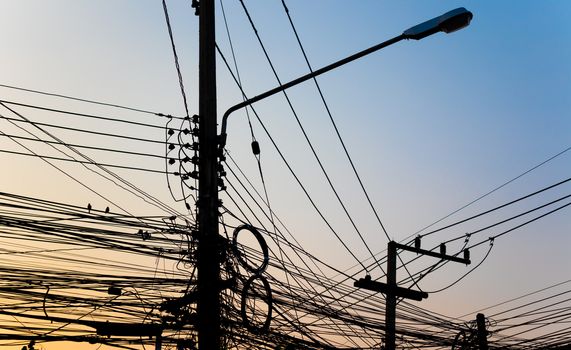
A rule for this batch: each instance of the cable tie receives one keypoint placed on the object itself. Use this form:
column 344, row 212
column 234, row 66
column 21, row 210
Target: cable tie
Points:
column 255, row 147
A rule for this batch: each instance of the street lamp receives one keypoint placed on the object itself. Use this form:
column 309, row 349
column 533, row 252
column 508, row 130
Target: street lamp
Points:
column 449, row 22
column 208, row 286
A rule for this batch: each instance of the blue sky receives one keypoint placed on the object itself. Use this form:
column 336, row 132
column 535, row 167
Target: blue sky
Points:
column 430, row 125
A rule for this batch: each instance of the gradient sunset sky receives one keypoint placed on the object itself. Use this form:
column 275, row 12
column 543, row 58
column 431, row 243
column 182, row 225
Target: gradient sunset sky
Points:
column 431, row 125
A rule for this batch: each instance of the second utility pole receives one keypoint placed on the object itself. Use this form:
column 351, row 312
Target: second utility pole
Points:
column 208, row 252
column 393, row 291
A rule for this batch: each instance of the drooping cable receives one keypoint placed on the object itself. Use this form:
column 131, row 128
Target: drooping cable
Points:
column 490, row 192
column 179, row 73
column 334, row 124
column 306, row 137
column 153, row 200
column 305, row 191
column 255, row 146
column 83, row 100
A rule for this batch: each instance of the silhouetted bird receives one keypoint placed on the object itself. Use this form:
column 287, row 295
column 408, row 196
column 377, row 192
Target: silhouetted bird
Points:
column 89, row 207
column 107, row 210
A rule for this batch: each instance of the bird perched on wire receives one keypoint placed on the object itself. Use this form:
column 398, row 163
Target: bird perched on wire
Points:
column 89, row 207
column 107, row 210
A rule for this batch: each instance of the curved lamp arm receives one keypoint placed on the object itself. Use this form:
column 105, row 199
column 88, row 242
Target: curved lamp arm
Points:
column 449, row 22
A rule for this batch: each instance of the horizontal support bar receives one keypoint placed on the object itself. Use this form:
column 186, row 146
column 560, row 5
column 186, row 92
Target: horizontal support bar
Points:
column 433, row 254
column 367, row 283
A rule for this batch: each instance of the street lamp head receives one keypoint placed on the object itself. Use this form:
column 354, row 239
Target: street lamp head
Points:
column 455, row 20
column 449, row 22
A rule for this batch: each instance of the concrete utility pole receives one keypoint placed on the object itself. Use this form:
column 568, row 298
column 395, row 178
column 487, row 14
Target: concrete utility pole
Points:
column 482, row 332
column 208, row 252
column 391, row 300
column 392, row 290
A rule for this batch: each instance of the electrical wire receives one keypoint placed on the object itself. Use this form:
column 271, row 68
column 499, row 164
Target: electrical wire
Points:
column 177, row 66
column 305, row 191
column 306, row 137
column 83, row 100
